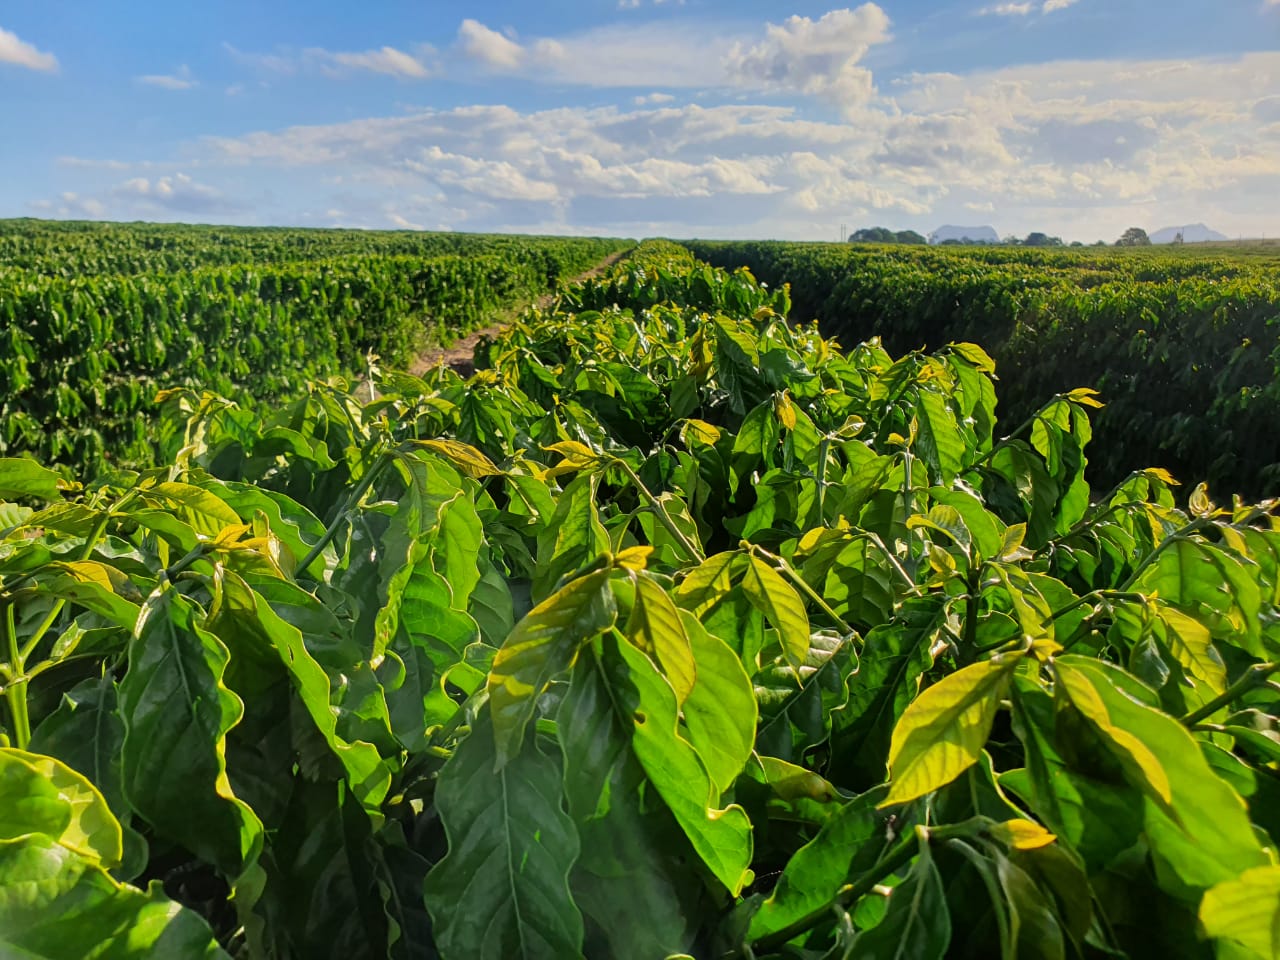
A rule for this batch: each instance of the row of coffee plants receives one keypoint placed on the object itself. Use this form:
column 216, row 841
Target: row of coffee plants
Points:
column 673, row 631
column 60, row 248
column 1184, row 347
column 81, row 359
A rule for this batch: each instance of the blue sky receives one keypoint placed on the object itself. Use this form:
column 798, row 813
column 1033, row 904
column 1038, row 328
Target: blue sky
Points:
column 639, row 117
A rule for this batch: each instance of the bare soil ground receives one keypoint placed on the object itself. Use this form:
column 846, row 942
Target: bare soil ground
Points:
column 459, row 355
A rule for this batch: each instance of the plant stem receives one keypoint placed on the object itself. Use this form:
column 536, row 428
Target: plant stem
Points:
column 352, row 502
column 897, row 858
column 15, row 688
column 1255, row 676
column 791, row 574
column 659, row 511
column 56, row 611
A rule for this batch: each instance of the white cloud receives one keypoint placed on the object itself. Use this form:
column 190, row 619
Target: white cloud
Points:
column 1027, row 6
column 385, row 60
column 389, row 61
column 19, row 53
column 637, row 4
column 177, row 193
column 71, row 205
column 1078, row 149
column 800, row 56
column 814, row 57
column 490, row 47
column 180, row 79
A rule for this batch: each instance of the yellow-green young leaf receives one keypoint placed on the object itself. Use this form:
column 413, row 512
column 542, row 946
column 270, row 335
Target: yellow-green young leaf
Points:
column 463, row 456
column 785, row 410
column 20, row 477
column 781, row 606
column 1161, row 474
column 943, row 731
column 1246, row 911
column 1191, row 644
column 577, row 456
column 633, row 558
column 204, row 511
column 544, row 644
column 1011, row 544
column 1022, row 834
column 1086, row 397
column 707, row 583
column 1199, row 504
column 39, row 794
column 975, row 355
column 655, row 627
column 699, row 431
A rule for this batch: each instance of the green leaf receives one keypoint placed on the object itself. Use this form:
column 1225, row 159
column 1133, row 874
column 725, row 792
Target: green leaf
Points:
column 781, row 606
column 20, row 477
column 1211, row 586
column 632, row 878
column 55, row 905
column 917, row 924
column 573, row 540
column 39, row 794
column 894, row 657
column 849, row 844
column 244, row 615
column 1246, row 910
column 720, row 712
column 91, row 585
column 542, row 646
column 656, row 628
column 502, row 890
column 323, row 891
column 939, row 440
column 860, row 584
column 177, row 713
column 707, row 584
column 942, row 733
column 1197, row 825
column 643, row 698
column 1098, row 818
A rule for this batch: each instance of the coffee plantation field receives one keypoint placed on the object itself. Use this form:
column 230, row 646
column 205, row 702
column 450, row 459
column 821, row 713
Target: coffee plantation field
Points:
column 1182, row 342
column 96, row 318
column 674, row 631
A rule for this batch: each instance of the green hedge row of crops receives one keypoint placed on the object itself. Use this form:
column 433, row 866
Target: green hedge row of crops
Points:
column 673, row 633
column 79, row 249
column 1184, row 348
column 82, row 359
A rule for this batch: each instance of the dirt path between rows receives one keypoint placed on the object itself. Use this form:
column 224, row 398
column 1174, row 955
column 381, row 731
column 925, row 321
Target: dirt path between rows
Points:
column 459, row 356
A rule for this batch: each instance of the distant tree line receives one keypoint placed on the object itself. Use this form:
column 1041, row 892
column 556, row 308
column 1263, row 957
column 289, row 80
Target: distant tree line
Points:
column 1133, row 237
column 885, row 235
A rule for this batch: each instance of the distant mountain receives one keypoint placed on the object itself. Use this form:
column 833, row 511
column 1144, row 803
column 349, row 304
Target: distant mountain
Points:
column 965, row 234
column 1192, row 233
